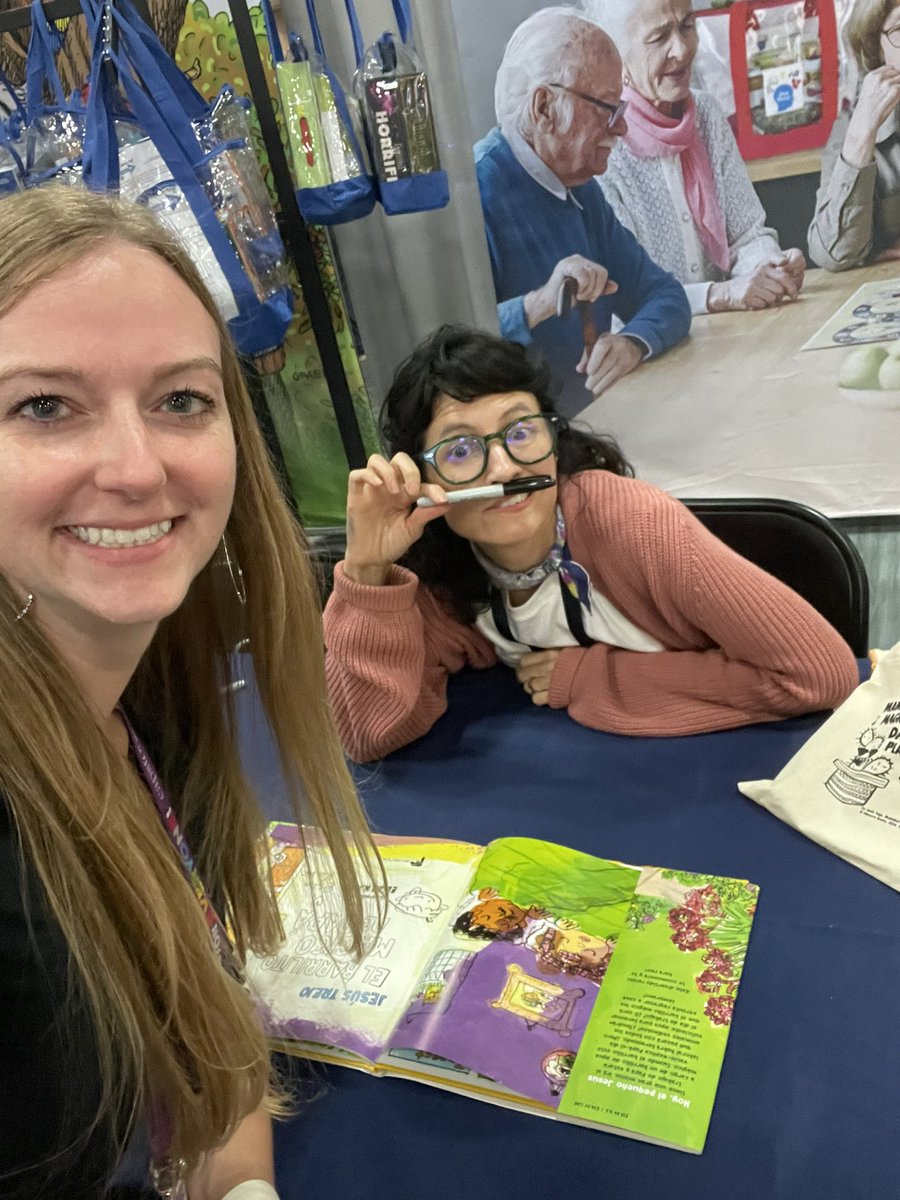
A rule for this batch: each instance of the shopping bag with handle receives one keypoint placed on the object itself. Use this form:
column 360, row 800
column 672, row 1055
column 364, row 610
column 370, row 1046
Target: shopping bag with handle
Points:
column 152, row 137
column 334, row 183
column 842, row 788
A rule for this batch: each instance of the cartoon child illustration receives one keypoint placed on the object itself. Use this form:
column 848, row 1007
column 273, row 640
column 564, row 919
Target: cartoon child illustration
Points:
column 557, row 1067
column 493, row 917
column 418, row 903
column 565, row 948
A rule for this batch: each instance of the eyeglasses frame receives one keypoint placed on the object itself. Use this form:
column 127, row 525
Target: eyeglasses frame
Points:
column 616, row 111
column 890, row 34
column 556, row 427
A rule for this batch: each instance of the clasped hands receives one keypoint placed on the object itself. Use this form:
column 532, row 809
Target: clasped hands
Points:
column 774, row 281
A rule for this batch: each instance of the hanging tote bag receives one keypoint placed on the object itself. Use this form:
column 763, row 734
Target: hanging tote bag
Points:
column 392, row 90
column 784, row 64
column 12, row 134
column 176, row 155
column 54, row 131
column 330, row 168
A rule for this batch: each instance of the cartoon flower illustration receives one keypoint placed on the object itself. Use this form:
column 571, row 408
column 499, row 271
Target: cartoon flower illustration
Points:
column 720, row 1009
column 720, row 962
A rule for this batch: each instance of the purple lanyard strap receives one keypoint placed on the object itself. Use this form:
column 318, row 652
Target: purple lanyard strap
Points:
column 217, row 932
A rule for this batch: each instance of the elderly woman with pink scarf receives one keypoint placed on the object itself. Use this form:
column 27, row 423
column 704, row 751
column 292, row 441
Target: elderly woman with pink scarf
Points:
column 676, row 179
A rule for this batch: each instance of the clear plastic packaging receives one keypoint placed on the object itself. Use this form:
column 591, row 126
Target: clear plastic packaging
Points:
column 393, row 93
column 783, row 68
column 54, row 143
column 238, row 193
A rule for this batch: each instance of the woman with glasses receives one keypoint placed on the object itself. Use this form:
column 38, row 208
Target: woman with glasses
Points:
column 605, row 595
column 676, row 179
column 857, row 216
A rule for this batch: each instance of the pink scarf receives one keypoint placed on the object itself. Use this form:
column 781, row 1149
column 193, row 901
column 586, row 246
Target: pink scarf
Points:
column 653, row 135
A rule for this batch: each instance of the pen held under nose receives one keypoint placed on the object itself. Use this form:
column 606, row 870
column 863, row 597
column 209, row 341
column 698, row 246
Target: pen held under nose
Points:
column 492, row 491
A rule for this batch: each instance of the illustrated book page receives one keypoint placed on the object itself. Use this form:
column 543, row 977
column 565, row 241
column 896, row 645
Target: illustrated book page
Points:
column 530, row 975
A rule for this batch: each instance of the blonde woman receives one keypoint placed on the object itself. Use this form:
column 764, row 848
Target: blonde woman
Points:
column 141, row 533
column 857, row 214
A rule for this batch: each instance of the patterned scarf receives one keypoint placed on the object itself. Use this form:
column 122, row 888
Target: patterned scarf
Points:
column 573, row 576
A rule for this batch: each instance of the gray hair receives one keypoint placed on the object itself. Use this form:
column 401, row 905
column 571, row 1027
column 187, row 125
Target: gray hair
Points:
column 612, row 16
column 545, row 48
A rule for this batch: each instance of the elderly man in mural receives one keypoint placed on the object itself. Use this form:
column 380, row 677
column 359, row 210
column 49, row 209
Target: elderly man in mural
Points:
column 557, row 98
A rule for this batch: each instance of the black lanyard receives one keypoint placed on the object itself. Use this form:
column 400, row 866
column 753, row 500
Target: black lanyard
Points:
column 571, row 607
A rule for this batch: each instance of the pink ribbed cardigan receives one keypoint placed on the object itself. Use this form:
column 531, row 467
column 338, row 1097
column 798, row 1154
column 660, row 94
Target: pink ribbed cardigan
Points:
column 739, row 646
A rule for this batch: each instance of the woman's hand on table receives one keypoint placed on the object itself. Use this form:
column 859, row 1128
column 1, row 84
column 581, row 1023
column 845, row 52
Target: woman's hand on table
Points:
column 534, row 673
column 794, row 263
column 382, row 523
column 879, row 95
column 768, row 285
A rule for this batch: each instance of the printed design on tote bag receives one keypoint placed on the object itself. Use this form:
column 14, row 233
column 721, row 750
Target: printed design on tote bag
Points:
column 856, row 779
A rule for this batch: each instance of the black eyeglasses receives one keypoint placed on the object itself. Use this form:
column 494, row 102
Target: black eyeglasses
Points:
column 616, row 111
column 463, row 458
column 893, row 36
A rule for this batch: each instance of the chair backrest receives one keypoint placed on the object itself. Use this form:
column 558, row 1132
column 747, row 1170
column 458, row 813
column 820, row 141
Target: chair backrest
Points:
column 805, row 550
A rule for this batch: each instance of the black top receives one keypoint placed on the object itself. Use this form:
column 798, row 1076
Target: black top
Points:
column 49, row 1076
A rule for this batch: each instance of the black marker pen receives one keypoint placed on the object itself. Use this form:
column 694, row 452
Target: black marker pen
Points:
column 493, row 491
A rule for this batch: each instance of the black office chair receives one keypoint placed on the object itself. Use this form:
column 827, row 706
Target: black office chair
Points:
column 805, row 550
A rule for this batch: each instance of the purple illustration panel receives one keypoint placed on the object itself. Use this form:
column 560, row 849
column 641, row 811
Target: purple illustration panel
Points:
column 509, row 1019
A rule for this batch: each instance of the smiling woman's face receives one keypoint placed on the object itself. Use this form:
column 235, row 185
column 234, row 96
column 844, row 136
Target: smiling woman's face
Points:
column 116, row 448
column 660, row 50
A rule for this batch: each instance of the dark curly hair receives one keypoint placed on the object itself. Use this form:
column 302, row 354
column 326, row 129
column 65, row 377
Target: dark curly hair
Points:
column 467, row 364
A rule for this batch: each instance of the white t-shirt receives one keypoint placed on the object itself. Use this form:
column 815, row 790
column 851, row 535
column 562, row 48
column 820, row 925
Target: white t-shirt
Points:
column 541, row 621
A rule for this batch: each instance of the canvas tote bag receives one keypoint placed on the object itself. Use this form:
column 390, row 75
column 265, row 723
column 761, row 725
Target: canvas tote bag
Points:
column 842, row 789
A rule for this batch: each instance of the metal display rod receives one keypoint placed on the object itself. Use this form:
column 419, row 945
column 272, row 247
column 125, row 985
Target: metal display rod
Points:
column 293, row 227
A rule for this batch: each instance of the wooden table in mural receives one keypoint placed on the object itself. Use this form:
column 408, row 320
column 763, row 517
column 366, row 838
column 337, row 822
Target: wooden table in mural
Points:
column 740, row 410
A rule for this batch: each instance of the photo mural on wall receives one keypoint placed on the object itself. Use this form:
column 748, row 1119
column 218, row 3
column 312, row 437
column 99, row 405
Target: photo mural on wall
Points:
column 637, row 163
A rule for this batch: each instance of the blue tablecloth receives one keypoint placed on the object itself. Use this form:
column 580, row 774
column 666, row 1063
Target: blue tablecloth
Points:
column 809, row 1099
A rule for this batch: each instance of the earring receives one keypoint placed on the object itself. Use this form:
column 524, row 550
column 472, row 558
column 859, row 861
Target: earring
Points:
column 237, row 575
column 24, row 611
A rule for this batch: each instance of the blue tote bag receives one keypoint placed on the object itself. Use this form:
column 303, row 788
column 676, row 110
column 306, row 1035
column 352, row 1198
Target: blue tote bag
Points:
column 330, row 167
column 153, row 138
column 54, row 130
column 12, row 147
column 392, row 90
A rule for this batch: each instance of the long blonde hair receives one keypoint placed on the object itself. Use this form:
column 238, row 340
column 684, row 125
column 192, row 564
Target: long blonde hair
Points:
column 172, row 1029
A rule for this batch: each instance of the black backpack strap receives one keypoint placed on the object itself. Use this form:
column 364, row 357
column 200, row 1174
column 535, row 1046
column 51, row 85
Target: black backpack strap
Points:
column 574, row 616
column 501, row 618
column 571, row 607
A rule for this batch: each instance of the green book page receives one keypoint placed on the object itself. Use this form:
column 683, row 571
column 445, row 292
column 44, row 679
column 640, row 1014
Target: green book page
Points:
column 650, row 1059
column 593, row 893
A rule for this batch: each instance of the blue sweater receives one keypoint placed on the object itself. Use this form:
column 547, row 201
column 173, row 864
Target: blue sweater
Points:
column 529, row 230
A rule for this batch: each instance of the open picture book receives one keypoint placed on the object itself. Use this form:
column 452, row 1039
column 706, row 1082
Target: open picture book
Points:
column 522, row 973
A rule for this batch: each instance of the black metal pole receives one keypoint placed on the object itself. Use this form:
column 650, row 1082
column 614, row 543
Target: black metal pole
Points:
column 297, row 240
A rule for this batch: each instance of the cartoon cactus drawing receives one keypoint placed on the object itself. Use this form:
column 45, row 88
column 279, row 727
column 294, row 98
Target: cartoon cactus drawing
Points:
column 855, row 781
